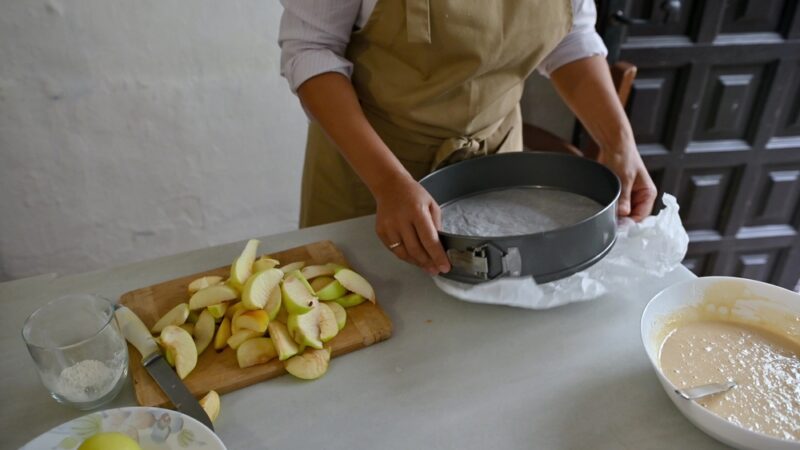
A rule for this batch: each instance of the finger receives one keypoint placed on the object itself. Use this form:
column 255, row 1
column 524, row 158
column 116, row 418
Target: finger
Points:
column 642, row 202
column 393, row 237
column 429, row 238
column 436, row 215
column 624, row 202
column 415, row 249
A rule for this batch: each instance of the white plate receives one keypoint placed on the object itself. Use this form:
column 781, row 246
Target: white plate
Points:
column 154, row 428
column 681, row 295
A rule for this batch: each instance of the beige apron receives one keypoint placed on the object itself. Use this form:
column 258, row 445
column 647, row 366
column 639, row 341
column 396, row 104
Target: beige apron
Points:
column 440, row 81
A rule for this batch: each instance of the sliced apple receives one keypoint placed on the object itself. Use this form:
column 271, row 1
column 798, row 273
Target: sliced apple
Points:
column 331, row 291
column 284, row 343
column 291, row 267
column 189, row 327
column 304, row 328
column 203, row 282
column 273, row 305
column 283, row 315
column 212, row 295
column 255, row 351
column 258, row 287
column 204, row 331
column 311, row 272
column 264, row 263
column 298, row 296
column 211, row 405
column 180, row 348
column 242, row 266
column 339, row 312
column 193, row 316
column 354, row 282
column 335, row 267
column 217, row 311
column 328, row 328
column 175, row 316
column 235, row 322
column 311, row 365
column 350, row 300
column 240, row 336
column 223, row 334
column 233, row 309
column 320, row 282
column 252, row 320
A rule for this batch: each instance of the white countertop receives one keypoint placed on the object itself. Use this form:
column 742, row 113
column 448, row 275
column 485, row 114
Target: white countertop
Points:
column 453, row 376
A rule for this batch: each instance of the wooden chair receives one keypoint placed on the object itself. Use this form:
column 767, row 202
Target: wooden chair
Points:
column 535, row 138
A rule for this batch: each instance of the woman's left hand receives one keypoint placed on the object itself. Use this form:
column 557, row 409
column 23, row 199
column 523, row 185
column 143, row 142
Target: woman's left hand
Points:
column 638, row 190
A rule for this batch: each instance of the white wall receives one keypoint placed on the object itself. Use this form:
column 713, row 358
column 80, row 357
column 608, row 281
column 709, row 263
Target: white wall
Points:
column 133, row 129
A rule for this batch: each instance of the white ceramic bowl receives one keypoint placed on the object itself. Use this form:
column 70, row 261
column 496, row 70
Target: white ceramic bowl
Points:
column 755, row 296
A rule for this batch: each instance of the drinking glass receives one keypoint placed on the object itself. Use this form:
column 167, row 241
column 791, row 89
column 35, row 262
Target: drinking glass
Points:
column 79, row 352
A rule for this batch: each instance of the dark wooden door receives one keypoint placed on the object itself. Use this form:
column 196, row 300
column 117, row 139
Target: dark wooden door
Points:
column 716, row 112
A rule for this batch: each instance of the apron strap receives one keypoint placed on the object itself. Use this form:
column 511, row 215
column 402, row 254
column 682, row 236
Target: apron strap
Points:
column 418, row 21
column 465, row 147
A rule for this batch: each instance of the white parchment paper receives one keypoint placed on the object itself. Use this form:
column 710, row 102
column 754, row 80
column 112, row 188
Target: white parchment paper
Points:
column 650, row 248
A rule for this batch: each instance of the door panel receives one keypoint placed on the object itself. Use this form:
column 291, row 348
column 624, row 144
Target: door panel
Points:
column 715, row 109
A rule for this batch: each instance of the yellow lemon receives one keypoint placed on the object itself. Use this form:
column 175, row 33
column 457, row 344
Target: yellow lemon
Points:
column 107, row 441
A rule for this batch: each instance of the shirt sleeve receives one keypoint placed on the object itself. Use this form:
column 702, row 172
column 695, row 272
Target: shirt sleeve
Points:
column 581, row 42
column 313, row 38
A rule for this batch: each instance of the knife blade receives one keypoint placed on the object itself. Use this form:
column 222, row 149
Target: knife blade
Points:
column 153, row 361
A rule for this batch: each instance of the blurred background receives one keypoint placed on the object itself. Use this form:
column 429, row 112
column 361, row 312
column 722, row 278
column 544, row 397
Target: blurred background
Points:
column 131, row 130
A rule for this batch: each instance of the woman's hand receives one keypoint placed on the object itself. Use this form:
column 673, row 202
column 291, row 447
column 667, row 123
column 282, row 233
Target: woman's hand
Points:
column 638, row 191
column 408, row 215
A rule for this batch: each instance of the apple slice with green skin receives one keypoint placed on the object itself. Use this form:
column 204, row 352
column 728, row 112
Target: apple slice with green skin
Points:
column 212, row 295
column 189, row 327
column 264, row 263
column 320, row 282
column 340, row 313
column 284, row 343
column 291, row 267
column 218, row 311
column 335, row 267
column 203, row 282
column 233, row 309
column 331, row 291
column 211, row 405
column 223, row 334
column 354, row 282
column 350, row 300
column 252, row 320
column 273, row 302
column 241, row 336
column 304, row 328
column 298, row 296
column 328, row 327
column 311, row 365
column 311, row 272
column 258, row 287
column 283, row 315
column 175, row 316
column 255, row 351
column 180, row 348
column 242, row 266
column 204, row 331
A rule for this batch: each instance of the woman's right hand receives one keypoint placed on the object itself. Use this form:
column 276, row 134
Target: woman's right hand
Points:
column 408, row 215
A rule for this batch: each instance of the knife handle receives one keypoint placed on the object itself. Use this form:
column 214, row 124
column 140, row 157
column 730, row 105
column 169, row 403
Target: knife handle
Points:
column 135, row 331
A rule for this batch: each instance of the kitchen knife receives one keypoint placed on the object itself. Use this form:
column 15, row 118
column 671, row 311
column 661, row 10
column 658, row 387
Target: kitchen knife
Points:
column 139, row 336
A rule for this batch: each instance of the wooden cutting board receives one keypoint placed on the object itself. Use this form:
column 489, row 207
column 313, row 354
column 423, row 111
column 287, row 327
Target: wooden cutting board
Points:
column 366, row 325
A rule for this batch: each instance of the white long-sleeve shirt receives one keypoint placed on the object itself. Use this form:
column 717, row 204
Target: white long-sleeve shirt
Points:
column 314, row 35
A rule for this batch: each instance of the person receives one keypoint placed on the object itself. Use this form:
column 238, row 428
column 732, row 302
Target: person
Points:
column 398, row 88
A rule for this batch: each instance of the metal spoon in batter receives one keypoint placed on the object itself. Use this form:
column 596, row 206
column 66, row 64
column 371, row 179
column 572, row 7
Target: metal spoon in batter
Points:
column 705, row 390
